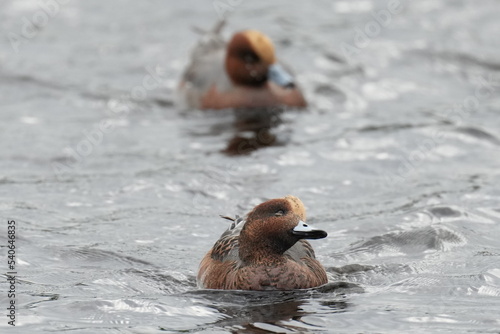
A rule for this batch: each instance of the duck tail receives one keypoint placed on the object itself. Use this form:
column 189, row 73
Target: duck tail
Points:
column 235, row 221
column 216, row 29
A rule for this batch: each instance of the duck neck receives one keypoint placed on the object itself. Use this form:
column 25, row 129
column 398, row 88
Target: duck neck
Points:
column 262, row 251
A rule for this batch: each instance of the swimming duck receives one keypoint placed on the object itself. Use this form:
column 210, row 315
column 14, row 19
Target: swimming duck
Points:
column 265, row 251
column 241, row 73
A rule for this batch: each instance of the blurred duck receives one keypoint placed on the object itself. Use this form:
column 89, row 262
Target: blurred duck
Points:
column 243, row 73
column 266, row 251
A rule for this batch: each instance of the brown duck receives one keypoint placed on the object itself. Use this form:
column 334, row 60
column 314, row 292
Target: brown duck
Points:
column 266, row 251
column 241, row 73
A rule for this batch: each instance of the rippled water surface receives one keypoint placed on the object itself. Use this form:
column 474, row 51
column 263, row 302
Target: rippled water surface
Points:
column 117, row 193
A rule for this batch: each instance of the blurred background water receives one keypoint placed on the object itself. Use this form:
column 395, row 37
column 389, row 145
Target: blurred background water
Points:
column 116, row 193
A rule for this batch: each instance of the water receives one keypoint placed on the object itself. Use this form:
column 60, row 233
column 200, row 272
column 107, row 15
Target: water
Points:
column 397, row 157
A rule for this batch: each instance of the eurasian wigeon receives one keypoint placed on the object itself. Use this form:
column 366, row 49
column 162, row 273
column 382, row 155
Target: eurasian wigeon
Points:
column 243, row 73
column 266, row 251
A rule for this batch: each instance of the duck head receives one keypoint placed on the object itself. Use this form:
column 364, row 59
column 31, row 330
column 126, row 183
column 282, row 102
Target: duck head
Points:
column 251, row 61
column 273, row 227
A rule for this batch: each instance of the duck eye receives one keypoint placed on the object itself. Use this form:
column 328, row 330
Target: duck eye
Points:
column 250, row 57
column 279, row 213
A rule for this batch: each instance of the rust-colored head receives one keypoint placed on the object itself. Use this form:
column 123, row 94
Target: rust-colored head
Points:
column 249, row 55
column 273, row 227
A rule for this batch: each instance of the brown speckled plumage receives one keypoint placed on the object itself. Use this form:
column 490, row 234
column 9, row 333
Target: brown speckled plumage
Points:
column 264, row 252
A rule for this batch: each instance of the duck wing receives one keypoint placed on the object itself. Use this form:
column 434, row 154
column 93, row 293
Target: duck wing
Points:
column 227, row 247
column 207, row 59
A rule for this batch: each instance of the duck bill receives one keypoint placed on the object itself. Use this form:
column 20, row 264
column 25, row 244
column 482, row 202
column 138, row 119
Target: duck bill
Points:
column 279, row 75
column 306, row 231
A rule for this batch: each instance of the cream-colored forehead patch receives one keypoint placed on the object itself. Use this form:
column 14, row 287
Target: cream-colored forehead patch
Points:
column 297, row 205
column 262, row 45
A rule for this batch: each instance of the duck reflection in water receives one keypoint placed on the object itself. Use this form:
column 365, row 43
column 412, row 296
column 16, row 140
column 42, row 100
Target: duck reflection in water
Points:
column 254, row 130
column 275, row 311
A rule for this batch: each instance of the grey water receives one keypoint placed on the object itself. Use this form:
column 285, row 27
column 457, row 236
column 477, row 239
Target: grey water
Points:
column 116, row 192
